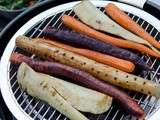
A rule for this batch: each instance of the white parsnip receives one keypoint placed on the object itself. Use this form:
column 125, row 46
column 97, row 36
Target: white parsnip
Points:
column 42, row 89
column 83, row 99
column 101, row 71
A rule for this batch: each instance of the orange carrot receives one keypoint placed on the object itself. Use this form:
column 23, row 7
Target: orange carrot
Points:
column 125, row 21
column 118, row 63
column 84, row 29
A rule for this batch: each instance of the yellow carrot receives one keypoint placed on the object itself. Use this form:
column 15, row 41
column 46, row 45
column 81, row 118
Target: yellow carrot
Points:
column 118, row 63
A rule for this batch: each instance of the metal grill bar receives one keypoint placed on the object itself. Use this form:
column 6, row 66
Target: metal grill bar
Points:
column 11, row 69
column 122, row 117
column 65, row 118
column 114, row 117
column 99, row 117
column 13, row 76
column 24, row 100
column 16, row 90
column 59, row 116
column 28, row 104
column 155, row 73
column 13, row 84
column 20, row 95
column 37, row 28
column 39, row 111
column 52, row 115
column 45, row 113
column 151, row 109
column 33, row 106
column 108, row 113
column 58, row 19
column 148, row 99
column 46, row 25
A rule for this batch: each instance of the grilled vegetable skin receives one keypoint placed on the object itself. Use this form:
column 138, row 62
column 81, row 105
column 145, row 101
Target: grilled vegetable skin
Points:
column 42, row 87
column 102, row 22
column 79, row 27
column 101, row 71
column 124, row 20
column 83, row 78
column 93, row 44
column 81, row 98
column 121, row 64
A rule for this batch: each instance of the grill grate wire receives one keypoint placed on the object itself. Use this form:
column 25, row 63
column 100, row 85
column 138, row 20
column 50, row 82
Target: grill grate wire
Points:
column 38, row 110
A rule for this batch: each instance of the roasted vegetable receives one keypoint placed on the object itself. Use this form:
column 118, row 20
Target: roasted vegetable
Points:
column 83, row 78
column 86, row 30
column 101, row 71
column 43, row 87
column 125, row 21
column 121, row 64
column 81, row 98
column 100, row 21
column 93, row 44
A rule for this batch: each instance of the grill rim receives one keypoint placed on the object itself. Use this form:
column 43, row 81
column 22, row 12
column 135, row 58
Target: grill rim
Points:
column 7, row 92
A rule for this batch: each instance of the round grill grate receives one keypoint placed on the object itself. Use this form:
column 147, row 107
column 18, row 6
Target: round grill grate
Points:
column 39, row 110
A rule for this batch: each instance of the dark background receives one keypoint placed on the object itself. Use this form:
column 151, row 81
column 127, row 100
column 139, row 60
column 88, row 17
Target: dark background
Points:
column 21, row 19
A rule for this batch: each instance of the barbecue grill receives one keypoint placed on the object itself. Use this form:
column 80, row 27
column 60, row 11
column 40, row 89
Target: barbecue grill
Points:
column 25, row 107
